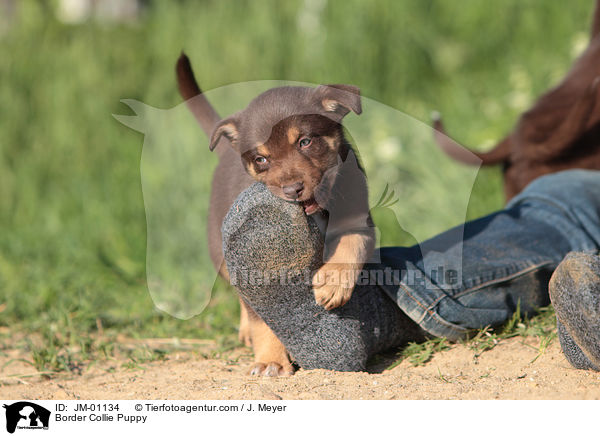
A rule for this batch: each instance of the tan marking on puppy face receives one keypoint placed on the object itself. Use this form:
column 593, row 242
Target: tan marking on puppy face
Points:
column 331, row 142
column 252, row 172
column 293, row 134
column 262, row 150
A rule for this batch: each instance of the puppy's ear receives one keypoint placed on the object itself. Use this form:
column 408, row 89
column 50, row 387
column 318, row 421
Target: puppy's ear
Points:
column 227, row 128
column 339, row 99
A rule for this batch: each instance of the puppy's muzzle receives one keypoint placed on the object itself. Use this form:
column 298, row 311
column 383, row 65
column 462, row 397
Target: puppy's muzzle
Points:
column 293, row 191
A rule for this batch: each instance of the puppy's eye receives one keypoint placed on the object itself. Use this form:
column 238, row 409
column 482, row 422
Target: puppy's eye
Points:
column 304, row 142
column 261, row 160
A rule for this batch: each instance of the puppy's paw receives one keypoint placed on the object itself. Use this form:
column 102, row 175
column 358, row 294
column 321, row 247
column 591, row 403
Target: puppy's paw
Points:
column 271, row 369
column 333, row 284
column 332, row 296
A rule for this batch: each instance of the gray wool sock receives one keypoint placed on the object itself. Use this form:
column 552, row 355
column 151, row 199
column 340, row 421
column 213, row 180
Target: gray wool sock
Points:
column 272, row 250
column 572, row 352
column 575, row 294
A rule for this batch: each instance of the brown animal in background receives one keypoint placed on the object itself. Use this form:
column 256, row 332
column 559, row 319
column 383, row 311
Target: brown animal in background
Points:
column 291, row 139
column 561, row 131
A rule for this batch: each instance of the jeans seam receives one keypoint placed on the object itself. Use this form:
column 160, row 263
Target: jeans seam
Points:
column 427, row 311
column 566, row 212
column 437, row 300
column 408, row 292
column 499, row 280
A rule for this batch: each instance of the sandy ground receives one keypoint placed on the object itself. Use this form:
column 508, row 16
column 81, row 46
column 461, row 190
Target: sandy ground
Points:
column 508, row 371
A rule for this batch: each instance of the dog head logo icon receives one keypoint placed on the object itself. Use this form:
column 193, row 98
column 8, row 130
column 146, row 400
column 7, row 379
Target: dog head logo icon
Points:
column 26, row 415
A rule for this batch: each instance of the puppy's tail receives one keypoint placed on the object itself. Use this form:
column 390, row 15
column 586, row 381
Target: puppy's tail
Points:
column 203, row 111
column 497, row 155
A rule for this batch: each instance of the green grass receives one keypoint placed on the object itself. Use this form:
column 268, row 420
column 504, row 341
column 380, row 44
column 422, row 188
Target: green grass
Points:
column 542, row 326
column 72, row 220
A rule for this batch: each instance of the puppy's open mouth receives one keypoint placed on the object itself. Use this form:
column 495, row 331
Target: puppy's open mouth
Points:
column 310, row 206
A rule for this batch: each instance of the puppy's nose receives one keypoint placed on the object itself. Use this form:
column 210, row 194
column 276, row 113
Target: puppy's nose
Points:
column 293, row 191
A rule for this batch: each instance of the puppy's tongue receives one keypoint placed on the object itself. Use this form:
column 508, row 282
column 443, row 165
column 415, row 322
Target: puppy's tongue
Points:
column 310, row 206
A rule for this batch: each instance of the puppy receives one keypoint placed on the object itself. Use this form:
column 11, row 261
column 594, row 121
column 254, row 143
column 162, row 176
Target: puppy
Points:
column 291, row 139
column 561, row 131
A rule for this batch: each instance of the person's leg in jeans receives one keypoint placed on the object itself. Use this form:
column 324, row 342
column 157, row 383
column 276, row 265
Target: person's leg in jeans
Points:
column 503, row 259
column 468, row 277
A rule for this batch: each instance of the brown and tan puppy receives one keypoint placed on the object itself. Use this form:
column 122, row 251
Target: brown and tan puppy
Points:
column 561, row 131
column 291, row 139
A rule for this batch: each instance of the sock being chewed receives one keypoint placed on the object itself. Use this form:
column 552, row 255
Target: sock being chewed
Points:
column 272, row 250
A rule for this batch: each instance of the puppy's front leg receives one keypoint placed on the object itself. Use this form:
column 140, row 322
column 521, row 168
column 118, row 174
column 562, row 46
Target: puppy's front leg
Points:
column 334, row 281
column 350, row 231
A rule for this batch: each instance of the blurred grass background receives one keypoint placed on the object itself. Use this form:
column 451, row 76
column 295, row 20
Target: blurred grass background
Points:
column 72, row 223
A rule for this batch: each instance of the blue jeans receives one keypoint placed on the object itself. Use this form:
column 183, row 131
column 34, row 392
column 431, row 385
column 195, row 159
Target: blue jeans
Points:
column 475, row 275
